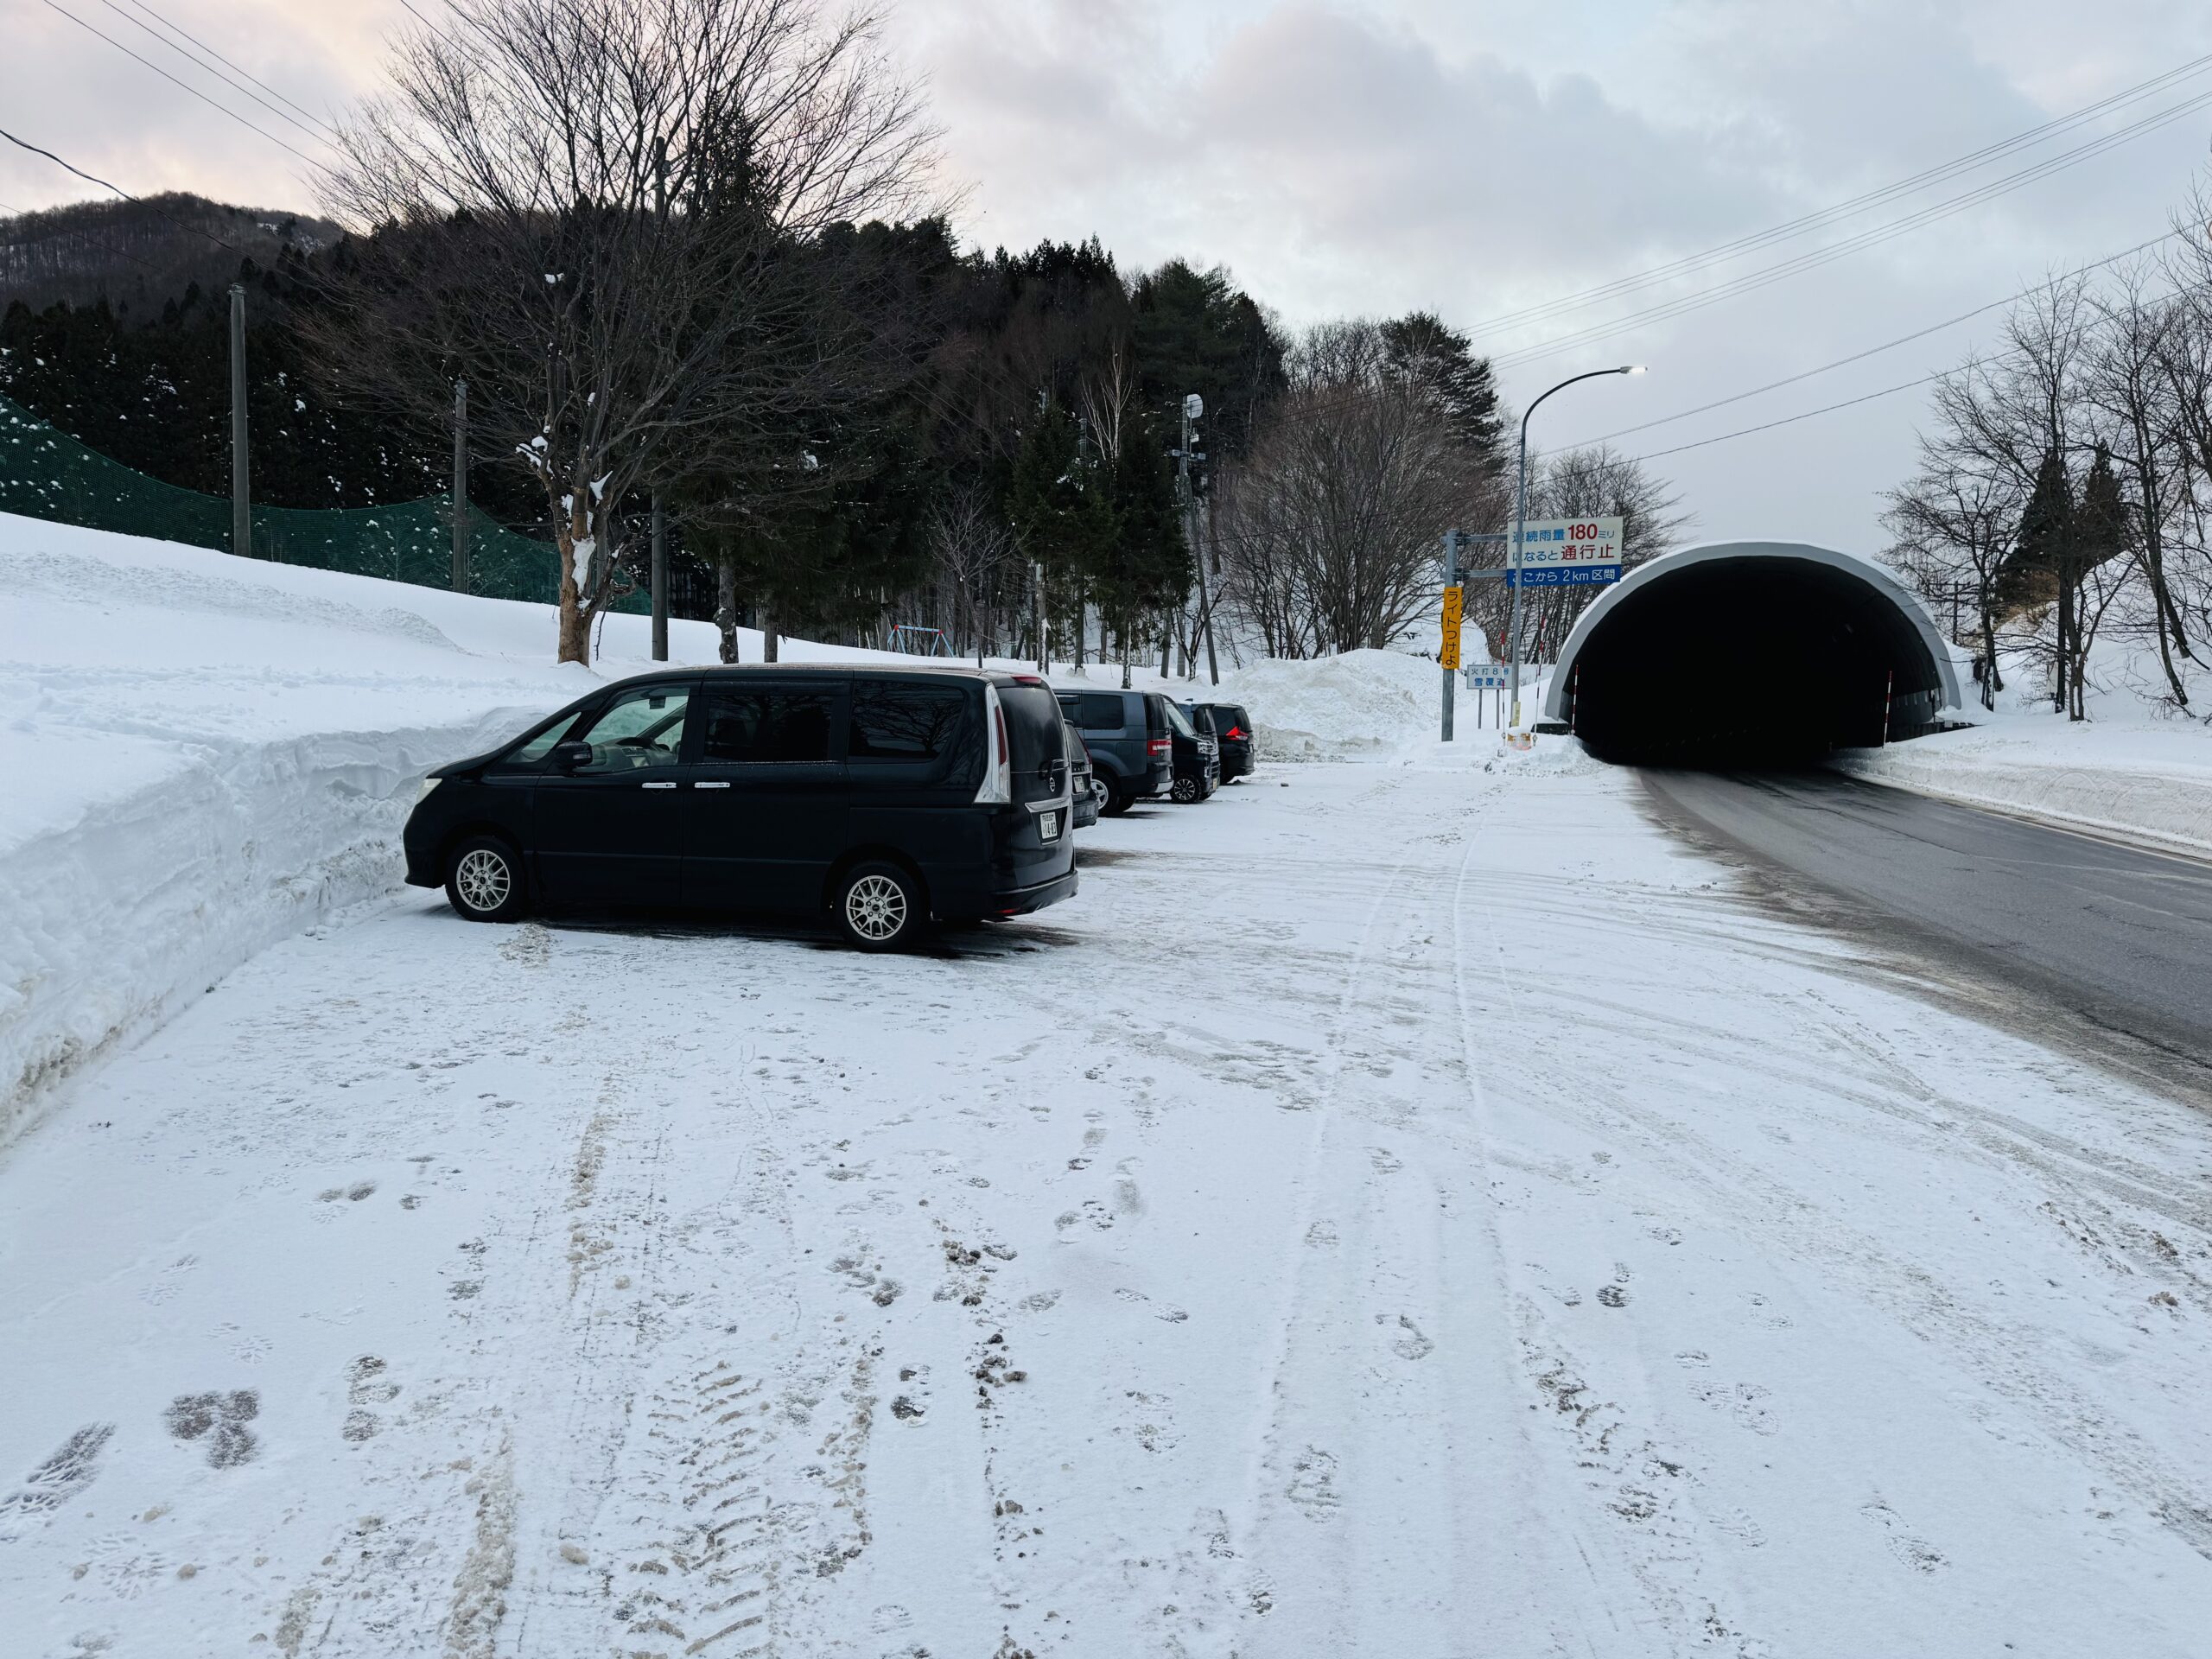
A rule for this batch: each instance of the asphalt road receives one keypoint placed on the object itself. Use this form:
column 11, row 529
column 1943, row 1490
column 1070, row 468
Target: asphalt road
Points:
column 2099, row 946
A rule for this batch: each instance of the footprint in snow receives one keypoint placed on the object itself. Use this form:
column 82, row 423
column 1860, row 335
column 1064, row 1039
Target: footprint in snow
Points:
column 220, row 1420
column 54, row 1482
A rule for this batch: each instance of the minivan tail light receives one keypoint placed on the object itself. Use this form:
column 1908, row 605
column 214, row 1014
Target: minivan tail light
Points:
column 998, row 755
column 1159, row 746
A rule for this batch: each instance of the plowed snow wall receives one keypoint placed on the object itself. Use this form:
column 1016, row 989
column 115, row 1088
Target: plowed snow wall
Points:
column 202, row 857
column 2161, row 807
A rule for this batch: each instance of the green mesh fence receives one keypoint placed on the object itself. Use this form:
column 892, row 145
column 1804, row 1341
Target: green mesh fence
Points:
column 46, row 474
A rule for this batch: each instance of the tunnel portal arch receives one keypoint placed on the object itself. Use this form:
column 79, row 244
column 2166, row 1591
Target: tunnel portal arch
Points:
column 1750, row 653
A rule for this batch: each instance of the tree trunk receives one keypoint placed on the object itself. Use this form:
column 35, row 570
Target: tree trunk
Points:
column 576, row 626
column 577, row 549
column 768, row 621
column 726, row 604
column 2060, row 702
column 1991, row 684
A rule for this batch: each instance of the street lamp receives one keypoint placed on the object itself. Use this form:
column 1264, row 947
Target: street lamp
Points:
column 1521, row 520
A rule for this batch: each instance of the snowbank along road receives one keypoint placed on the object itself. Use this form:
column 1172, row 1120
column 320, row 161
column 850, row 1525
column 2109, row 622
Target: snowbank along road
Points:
column 1399, row 1211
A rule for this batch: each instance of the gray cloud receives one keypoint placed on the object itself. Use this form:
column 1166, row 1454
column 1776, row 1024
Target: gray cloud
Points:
column 1371, row 156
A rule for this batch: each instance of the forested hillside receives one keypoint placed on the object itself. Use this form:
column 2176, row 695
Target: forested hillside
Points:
column 139, row 255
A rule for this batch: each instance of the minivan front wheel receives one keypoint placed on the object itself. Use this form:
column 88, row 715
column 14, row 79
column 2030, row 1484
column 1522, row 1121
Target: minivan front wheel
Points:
column 879, row 907
column 484, row 880
column 1189, row 791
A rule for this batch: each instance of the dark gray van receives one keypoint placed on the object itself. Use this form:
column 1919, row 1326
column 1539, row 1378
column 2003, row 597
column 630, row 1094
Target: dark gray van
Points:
column 1130, row 735
column 884, row 795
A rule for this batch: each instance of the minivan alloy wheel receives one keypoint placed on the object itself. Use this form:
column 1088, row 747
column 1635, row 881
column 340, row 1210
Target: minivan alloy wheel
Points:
column 484, row 878
column 484, row 881
column 876, row 908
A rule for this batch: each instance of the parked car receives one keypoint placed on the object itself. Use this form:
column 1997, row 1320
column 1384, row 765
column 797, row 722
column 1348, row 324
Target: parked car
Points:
column 1232, row 729
column 1197, row 758
column 884, row 795
column 1130, row 740
column 1082, row 782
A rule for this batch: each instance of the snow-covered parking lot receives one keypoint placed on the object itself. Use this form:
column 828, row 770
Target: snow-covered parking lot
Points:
column 1399, row 1209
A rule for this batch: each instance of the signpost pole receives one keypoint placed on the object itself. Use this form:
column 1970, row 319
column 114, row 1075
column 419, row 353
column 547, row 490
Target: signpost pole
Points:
column 1449, row 655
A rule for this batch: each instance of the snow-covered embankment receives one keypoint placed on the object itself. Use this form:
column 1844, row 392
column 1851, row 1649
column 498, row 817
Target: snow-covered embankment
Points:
column 2166, row 805
column 205, row 755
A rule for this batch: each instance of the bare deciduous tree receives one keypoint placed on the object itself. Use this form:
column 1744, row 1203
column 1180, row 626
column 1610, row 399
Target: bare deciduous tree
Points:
column 1329, row 535
column 971, row 544
column 1955, row 524
column 586, row 209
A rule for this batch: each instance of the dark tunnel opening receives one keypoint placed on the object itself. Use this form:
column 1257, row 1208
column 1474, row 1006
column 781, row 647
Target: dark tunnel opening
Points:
column 1761, row 660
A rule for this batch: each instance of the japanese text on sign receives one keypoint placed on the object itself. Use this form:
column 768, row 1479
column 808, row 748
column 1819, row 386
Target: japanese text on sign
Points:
column 1449, row 655
column 1570, row 543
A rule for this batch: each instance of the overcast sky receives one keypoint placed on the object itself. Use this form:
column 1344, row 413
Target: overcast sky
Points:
column 1471, row 159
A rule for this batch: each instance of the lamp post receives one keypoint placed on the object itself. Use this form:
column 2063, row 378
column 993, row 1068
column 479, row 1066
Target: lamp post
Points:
column 1521, row 520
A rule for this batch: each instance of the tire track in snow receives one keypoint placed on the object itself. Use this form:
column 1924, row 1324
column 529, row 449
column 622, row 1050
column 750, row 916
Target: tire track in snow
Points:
column 1634, row 1507
column 1364, row 1338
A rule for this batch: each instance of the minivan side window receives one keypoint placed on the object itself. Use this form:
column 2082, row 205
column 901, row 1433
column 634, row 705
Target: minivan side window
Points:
column 640, row 729
column 768, row 724
column 1097, row 712
column 892, row 720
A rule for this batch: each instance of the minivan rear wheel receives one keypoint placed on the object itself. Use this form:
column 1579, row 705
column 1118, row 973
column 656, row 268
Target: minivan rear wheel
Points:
column 484, row 880
column 1118, row 801
column 879, row 907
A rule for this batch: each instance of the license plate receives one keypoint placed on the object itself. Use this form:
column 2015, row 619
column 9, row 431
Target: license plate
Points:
column 1048, row 826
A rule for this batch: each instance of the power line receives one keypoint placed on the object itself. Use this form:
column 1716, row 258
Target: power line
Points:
column 196, row 229
column 1887, row 345
column 248, row 74
column 1791, row 420
column 1866, row 238
column 211, row 103
column 198, row 63
column 1796, row 226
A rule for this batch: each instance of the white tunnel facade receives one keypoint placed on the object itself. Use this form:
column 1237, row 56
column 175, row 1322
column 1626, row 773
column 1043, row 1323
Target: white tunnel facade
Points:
column 1750, row 652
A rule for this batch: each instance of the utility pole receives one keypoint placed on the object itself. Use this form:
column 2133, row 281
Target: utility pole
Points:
column 1450, row 581
column 660, row 581
column 241, row 480
column 1194, row 406
column 460, row 486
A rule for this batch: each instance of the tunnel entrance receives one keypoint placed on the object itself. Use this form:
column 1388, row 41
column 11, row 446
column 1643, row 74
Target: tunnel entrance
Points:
column 1749, row 654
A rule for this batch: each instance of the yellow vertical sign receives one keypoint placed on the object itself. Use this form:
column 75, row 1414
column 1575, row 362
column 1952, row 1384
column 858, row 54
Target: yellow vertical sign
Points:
column 1449, row 655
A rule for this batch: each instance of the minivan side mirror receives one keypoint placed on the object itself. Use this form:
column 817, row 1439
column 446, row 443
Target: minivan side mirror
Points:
column 571, row 757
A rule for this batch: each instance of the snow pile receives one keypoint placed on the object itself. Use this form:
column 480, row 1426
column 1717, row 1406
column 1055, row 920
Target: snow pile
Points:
column 2135, row 767
column 1486, row 750
column 1363, row 703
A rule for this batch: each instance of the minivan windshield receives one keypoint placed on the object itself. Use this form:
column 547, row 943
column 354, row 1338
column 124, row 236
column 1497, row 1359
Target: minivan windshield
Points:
column 1176, row 722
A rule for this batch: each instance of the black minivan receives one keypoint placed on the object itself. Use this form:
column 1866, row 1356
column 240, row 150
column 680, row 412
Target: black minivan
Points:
column 885, row 796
